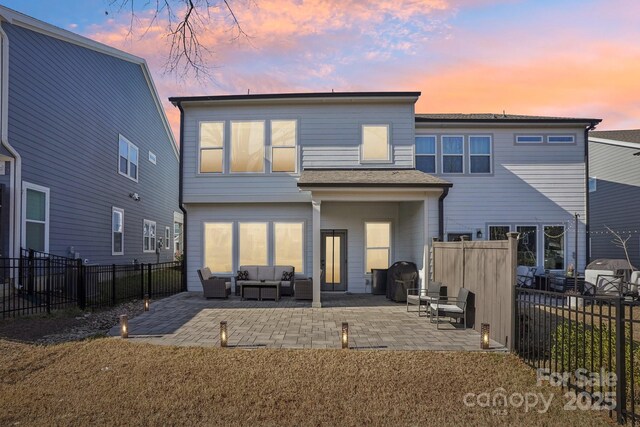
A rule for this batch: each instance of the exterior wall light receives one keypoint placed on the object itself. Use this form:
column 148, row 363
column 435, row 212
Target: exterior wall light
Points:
column 124, row 326
column 345, row 335
column 479, row 233
column 484, row 336
column 223, row 334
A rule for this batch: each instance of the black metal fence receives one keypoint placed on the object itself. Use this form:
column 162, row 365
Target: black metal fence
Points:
column 40, row 283
column 585, row 344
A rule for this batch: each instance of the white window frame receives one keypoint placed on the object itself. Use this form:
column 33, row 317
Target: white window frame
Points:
column 594, row 180
column 529, row 136
column 389, row 144
column 29, row 186
column 152, row 157
column 167, row 238
column 481, row 155
column 366, row 244
column 264, row 147
column 564, row 244
column 442, row 154
column 130, row 146
column 273, row 148
column 434, row 155
column 573, row 139
column 274, row 248
column 121, row 211
column 235, row 235
column 496, row 225
column 266, row 231
column 200, row 149
column 152, row 247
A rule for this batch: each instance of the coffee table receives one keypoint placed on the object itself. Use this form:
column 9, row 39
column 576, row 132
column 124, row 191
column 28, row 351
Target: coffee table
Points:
column 261, row 290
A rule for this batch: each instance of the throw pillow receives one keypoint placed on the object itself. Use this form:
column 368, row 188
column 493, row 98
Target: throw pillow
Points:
column 243, row 275
column 287, row 276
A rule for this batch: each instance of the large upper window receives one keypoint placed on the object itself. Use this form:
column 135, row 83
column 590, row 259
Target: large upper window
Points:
column 375, row 143
column 247, row 146
column 149, row 236
column 211, row 147
column 378, row 245
column 283, row 146
column 527, row 245
column 426, row 153
column 36, row 217
column 554, row 247
column 128, row 159
column 453, row 154
column 253, row 243
column 218, row 247
column 288, row 239
column 480, row 154
column 117, row 231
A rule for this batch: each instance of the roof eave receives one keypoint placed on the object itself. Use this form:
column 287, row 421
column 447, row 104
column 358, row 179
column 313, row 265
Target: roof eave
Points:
column 386, row 185
column 585, row 122
column 302, row 96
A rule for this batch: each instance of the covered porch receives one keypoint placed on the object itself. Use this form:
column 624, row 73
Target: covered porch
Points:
column 364, row 219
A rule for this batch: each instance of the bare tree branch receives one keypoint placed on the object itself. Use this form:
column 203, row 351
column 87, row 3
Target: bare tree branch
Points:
column 621, row 243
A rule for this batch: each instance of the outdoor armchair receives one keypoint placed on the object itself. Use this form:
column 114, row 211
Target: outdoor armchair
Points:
column 422, row 297
column 453, row 308
column 212, row 286
column 524, row 277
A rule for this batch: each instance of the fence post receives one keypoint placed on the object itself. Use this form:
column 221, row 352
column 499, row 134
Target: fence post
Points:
column 512, row 237
column 82, row 298
column 148, row 281
column 142, row 281
column 183, row 273
column 113, row 284
column 47, row 266
column 32, row 273
column 621, row 371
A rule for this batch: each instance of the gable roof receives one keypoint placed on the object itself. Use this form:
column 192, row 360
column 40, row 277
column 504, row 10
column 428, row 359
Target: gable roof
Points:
column 501, row 118
column 629, row 138
column 369, row 177
column 16, row 18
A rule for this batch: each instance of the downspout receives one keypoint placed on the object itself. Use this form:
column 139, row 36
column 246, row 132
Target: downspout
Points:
column 445, row 192
column 587, row 245
column 180, row 197
column 14, row 217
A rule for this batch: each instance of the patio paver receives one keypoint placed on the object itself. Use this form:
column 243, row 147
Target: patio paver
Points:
column 187, row 319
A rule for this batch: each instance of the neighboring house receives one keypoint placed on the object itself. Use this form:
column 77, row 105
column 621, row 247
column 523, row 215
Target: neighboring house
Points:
column 88, row 164
column 339, row 183
column 614, row 192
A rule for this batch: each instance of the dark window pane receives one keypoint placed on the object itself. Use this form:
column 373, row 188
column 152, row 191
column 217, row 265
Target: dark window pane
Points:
column 117, row 242
column 527, row 245
column 134, row 171
column 452, row 164
column 457, row 237
column 123, row 164
column 426, row 164
column 480, row 164
column 425, row 145
column 498, row 232
column 554, row 247
column 34, row 238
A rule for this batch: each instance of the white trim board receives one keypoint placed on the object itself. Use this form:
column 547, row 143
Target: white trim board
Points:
column 615, row 142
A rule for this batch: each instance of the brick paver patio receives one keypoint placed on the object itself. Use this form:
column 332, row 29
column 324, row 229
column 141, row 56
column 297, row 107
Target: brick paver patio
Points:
column 187, row 319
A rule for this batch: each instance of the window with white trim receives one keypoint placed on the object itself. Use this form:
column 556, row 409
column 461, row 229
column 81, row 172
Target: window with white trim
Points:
column 117, row 231
column 152, row 157
column 253, row 243
column 128, row 158
column 283, row 146
column 452, row 154
column 247, row 146
column 218, row 247
column 561, row 139
column 35, row 215
column 177, row 238
column 529, row 139
column 593, row 184
column 498, row 232
column 211, row 147
column 480, row 154
column 167, row 238
column 377, row 245
column 149, row 236
column 375, row 143
column 426, row 153
column 554, row 253
column 288, row 240
column 527, row 245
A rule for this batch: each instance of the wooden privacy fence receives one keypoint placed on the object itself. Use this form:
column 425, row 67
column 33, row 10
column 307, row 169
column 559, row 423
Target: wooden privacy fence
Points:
column 488, row 270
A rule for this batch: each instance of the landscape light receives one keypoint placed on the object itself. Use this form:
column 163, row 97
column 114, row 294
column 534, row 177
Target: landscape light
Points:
column 146, row 302
column 345, row 335
column 223, row 334
column 484, row 336
column 124, row 326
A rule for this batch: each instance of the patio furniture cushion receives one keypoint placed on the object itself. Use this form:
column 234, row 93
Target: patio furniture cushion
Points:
column 279, row 270
column 286, row 276
column 205, row 273
column 252, row 270
column 250, row 282
column 285, row 283
column 447, row 307
column 265, row 273
column 243, row 275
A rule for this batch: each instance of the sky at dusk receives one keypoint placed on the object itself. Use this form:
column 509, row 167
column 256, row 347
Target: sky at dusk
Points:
column 544, row 57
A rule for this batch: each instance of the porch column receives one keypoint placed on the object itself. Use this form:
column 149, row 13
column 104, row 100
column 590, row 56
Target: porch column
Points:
column 316, row 253
column 426, row 262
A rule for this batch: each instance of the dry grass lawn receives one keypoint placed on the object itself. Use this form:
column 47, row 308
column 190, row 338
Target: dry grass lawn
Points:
column 113, row 382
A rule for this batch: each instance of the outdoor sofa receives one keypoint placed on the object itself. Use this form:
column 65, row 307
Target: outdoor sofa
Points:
column 254, row 275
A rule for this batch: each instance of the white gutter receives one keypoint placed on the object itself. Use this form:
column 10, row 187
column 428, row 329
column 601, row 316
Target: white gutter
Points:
column 14, row 215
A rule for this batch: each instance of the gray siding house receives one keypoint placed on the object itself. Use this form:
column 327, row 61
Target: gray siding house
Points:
column 336, row 184
column 614, row 192
column 88, row 163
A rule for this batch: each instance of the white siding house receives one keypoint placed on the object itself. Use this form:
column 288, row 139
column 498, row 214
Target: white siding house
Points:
column 339, row 183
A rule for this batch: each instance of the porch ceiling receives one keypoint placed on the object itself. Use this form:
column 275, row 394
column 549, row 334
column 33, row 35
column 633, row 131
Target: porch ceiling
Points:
column 374, row 178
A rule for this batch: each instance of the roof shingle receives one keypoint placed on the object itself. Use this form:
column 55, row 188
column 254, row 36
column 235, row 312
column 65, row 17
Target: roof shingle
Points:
column 369, row 177
column 625, row 135
column 491, row 117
